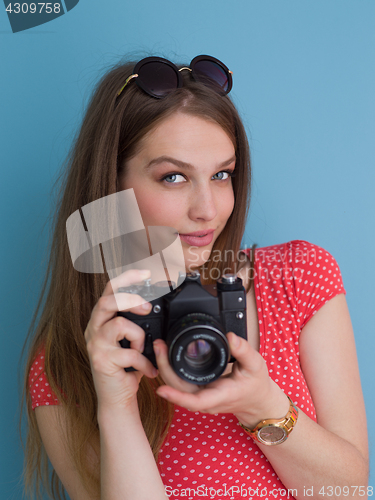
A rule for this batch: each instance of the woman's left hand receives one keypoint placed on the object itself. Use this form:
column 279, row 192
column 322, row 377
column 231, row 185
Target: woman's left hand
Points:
column 248, row 391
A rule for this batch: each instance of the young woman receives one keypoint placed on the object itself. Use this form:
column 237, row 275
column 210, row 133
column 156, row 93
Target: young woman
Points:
column 286, row 419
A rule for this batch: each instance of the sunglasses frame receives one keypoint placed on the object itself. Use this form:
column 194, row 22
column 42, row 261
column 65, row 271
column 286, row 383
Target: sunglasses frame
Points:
column 190, row 68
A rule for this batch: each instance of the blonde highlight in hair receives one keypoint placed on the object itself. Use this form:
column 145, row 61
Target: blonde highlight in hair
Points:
column 111, row 133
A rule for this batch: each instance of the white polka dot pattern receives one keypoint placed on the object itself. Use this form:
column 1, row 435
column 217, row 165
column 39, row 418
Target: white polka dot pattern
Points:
column 40, row 391
column 292, row 281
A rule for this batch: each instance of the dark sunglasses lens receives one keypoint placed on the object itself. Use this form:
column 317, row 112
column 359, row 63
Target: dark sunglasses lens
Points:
column 212, row 75
column 158, row 79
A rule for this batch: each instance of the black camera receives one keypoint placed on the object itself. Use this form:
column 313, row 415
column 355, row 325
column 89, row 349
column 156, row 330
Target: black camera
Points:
column 193, row 319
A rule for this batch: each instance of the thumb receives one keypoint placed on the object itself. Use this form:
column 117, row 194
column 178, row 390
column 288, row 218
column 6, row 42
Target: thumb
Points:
column 161, row 355
column 246, row 356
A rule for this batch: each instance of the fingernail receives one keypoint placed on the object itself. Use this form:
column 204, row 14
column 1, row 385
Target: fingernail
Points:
column 156, row 349
column 146, row 306
column 144, row 273
column 162, row 395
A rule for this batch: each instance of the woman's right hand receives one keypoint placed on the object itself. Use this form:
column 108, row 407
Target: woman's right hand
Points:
column 114, row 386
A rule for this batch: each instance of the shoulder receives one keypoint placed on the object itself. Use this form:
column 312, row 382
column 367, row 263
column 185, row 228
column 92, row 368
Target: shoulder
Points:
column 294, row 251
column 298, row 273
column 298, row 256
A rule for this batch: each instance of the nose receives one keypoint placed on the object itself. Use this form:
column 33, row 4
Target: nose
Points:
column 203, row 204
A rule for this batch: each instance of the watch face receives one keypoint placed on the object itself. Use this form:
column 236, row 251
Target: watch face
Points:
column 271, row 434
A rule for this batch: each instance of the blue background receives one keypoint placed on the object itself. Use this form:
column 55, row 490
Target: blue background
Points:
column 304, row 84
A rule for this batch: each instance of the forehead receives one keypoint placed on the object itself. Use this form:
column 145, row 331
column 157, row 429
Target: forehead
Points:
column 187, row 135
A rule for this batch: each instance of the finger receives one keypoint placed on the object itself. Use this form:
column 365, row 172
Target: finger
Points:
column 130, row 357
column 108, row 305
column 203, row 400
column 167, row 373
column 122, row 328
column 125, row 279
column 161, row 356
column 248, row 359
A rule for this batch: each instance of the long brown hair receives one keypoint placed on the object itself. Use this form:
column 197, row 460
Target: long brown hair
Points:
column 110, row 134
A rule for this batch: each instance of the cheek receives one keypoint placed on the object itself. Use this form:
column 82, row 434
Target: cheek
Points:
column 156, row 209
column 227, row 204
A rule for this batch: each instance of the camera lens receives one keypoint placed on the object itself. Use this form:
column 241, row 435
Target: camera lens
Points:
column 198, row 348
column 198, row 353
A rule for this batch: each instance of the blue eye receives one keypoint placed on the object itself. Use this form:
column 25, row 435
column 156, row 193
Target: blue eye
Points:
column 224, row 172
column 172, row 178
column 221, row 175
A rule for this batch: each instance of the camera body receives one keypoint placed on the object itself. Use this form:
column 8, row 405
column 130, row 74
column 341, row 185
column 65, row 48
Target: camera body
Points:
column 193, row 319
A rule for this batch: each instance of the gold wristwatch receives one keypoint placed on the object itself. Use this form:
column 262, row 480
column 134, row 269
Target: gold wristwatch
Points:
column 274, row 431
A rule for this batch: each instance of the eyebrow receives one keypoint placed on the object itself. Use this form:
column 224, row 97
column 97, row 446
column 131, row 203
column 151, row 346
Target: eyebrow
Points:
column 182, row 164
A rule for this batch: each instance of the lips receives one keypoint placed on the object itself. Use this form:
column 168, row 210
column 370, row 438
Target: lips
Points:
column 198, row 233
column 198, row 238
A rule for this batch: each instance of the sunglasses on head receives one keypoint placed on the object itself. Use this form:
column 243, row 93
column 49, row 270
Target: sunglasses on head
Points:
column 159, row 77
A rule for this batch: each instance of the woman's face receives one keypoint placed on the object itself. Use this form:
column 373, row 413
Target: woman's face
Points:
column 181, row 179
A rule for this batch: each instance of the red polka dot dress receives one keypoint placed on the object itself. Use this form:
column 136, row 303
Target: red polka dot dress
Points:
column 210, row 456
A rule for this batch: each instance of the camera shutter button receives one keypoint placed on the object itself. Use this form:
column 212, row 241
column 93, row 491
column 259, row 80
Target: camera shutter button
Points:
column 229, row 278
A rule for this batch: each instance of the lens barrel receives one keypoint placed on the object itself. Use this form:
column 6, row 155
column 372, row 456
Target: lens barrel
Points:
column 198, row 348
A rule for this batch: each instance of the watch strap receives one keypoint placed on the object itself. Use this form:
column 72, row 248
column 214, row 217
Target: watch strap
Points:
column 286, row 424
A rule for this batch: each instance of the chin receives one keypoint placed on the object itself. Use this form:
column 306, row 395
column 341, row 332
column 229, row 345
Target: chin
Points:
column 198, row 259
column 192, row 266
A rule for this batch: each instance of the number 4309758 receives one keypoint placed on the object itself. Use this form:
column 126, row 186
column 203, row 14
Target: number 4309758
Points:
column 33, row 8
column 345, row 491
